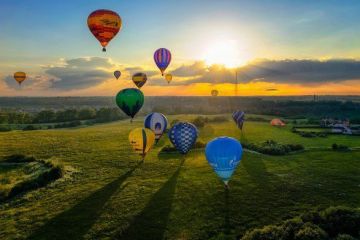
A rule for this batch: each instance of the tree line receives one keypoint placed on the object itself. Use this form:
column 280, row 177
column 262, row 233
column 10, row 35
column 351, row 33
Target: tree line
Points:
column 67, row 115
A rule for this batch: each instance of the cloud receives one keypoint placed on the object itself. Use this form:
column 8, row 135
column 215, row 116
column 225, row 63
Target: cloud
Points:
column 133, row 70
column 80, row 73
column 271, row 90
column 197, row 68
column 31, row 83
column 281, row 71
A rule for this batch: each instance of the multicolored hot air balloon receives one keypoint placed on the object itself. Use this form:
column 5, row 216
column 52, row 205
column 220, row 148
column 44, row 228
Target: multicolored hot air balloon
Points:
column 130, row 101
column 20, row 77
column 157, row 122
column 214, row 93
column 139, row 79
column 104, row 25
column 142, row 140
column 168, row 77
column 239, row 118
column 117, row 74
column 224, row 155
column 183, row 136
column 162, row 58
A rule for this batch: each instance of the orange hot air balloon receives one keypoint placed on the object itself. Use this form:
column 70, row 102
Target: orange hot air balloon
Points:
column 168, row 77
column 20, row 77
column 104, row 25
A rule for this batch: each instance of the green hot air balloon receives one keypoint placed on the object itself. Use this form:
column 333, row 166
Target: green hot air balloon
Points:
column 130, row 101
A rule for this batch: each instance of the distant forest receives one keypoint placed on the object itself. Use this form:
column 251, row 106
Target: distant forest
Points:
column 61, row 109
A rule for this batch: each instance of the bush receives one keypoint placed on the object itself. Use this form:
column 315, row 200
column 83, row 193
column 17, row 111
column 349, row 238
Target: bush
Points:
column 18, row 158
column 339, row 223
column 339, row 147
column 4, row 129
column 29, row 128
column 345, row 237
column 271, row 147
column 54, row 172
column 200, row 121
column 311, row 232
column 218, row 119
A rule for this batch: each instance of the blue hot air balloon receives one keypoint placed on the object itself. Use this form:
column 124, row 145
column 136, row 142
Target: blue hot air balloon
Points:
column 239, row 118
column 156, row 122
column 224, row 155
column 183, row 136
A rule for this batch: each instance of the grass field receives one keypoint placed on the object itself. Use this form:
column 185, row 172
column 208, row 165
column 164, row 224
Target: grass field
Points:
column 114, row 196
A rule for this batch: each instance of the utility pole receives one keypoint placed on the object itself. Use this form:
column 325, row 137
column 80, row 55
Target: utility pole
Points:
column 236, row 83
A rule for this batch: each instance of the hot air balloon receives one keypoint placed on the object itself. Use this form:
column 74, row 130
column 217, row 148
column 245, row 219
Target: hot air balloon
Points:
column 130, row 101
column 139, row 79
column 277, row 122
column 104, row 25
column 162, row 58
column 214, row 93
column 183, row 136
column 157, row 122
column 117, row 74
column 20, row 77
column 168, row 77
column 142, row 140
column 224, row 155
column 239, row 118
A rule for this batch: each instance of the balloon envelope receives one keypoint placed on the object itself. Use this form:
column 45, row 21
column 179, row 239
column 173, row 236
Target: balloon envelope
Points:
column 183, row 136
column 214, row 93
column 157, row 122
column 239, row 118
column 162, row 58
column 142, row 140
column 130, row 101
column 139, row 79
column 104, row 25
column 168, row 77
column 277, row 122
column 20, row 77
column 224, row 155
column 117, row 74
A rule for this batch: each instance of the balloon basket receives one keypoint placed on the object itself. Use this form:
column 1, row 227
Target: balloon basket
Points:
column 104, row 49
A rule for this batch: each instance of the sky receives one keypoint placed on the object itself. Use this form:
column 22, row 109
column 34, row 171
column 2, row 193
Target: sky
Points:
column 293, row 47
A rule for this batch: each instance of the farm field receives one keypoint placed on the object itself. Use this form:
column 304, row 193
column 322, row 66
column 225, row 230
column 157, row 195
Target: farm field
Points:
column 112, row 195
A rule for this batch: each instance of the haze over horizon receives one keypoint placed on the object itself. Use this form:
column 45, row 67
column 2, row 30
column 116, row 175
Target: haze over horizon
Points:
column 276, row 48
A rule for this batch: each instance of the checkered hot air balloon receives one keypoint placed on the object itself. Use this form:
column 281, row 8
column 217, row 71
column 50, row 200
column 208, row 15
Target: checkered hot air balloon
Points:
column 183, row 136
column 162, row 58
column 239, row 118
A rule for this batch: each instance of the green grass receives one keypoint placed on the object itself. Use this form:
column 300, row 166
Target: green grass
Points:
column 173, row 197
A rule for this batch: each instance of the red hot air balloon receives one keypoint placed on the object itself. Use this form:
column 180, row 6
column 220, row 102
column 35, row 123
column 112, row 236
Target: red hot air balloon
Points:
column 104, row 25
column 162, row 58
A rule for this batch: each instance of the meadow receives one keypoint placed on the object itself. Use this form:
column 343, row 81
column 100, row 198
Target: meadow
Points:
column 110, row 194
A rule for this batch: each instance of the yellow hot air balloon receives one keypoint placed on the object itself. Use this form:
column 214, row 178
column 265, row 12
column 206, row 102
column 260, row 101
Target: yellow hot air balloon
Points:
column 168, row 77
column 142, row 140
column 20, row 77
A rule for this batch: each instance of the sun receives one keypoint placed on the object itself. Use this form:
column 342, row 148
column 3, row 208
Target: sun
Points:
column 225, row 52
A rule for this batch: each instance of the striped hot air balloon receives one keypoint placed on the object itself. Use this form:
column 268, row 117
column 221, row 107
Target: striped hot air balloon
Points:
column 142, row 140
column 139, row 79
column 156, row 122
column 239, row 118
column 104, row 25
column 20, row 77
column 162, row 58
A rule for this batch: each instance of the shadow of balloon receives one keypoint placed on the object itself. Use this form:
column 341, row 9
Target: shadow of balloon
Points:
column 151, row 223
column 75, row 222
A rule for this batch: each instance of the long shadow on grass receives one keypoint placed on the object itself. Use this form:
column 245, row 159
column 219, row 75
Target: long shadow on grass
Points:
column 151, row 223
column 75, row 222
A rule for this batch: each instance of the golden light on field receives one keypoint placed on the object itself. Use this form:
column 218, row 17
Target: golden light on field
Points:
column 229, row 53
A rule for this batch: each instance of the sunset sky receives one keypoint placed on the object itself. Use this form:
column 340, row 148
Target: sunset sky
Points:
column 293, row 47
